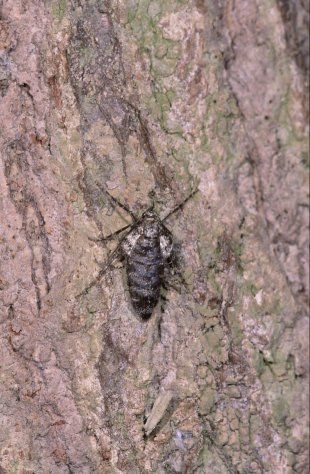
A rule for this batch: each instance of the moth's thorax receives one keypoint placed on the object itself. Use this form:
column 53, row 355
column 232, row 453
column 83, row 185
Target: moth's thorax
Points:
column 151, row 228
column 151, row 225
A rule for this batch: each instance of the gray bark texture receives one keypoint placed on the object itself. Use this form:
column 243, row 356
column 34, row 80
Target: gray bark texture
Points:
column 142, row 100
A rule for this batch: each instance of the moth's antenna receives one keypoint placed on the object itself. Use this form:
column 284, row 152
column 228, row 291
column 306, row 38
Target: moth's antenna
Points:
column 120, row 204
column 179, row 206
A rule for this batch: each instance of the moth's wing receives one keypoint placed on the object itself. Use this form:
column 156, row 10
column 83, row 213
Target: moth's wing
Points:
column 130, row 240
column 166, row 242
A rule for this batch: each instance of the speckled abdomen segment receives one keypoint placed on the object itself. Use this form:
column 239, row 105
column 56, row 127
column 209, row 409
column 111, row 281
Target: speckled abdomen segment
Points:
column 144, row 271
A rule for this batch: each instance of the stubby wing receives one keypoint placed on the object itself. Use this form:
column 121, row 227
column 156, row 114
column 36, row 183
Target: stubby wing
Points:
column 130, row 240
column 166, row 242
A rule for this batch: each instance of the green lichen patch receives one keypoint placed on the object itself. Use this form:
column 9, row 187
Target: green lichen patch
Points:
column 207, row 400
column 280, row 410
column 59, row 9
column 305, row 159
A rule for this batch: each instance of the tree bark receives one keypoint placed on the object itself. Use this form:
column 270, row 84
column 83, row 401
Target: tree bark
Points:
column 148, row 100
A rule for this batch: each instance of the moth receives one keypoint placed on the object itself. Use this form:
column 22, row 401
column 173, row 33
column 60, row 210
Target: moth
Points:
column 147, row 249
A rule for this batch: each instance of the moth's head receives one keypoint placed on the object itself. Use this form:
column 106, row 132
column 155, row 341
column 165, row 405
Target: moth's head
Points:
column 150, row 213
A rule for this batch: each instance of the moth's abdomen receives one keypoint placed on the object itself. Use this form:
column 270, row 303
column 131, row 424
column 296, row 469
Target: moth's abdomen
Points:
column 144, row 273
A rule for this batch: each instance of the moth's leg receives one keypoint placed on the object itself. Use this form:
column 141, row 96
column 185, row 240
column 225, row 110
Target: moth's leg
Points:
column 111, row 236
column 113, row 265
column 179, row 206
column 116, row 254
column 176, row 282
column 163, row 302
column 123, row 206
column 119, row 253
column 174, row 277
column 159, row 323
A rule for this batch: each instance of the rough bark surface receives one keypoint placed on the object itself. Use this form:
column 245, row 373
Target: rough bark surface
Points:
column 133, row 97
